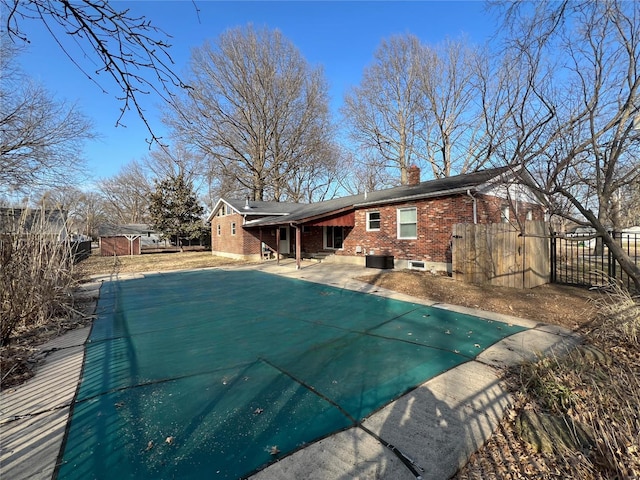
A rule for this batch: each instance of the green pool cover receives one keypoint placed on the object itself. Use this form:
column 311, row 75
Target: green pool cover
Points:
column 216, row 374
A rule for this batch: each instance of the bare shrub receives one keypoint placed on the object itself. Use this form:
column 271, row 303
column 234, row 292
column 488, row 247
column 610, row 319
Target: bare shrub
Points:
column 597, row 387
column 620, row 317
column 36, row 272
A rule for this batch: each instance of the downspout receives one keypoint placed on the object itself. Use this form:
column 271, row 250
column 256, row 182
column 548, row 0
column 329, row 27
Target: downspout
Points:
column 475, row 207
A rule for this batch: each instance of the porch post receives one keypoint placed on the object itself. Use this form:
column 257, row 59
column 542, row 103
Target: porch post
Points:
column 261, row 245
column 278, row 244
column 298, row 247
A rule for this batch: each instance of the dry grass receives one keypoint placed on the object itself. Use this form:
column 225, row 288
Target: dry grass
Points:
column 36, row 285
column 152, row 262
column 555, row 304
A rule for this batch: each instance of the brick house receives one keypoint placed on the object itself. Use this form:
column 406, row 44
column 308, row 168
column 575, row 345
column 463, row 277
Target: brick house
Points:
column 411, row 223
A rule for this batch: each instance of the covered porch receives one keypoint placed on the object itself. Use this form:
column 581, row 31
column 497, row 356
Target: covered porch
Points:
column 302, row 237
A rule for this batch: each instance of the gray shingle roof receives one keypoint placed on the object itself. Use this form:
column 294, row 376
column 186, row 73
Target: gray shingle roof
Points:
column 113, row 230
column 14, row 220
column 283, row 212
column 262, row 208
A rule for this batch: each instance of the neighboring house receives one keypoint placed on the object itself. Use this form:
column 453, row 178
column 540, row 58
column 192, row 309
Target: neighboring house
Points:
column 25, row 221
column 127, row 239
column 412, row 223
column 631, row 236
column 635, row 230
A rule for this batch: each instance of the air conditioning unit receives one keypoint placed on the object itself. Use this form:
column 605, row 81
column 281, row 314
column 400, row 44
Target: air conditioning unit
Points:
column 417, row 265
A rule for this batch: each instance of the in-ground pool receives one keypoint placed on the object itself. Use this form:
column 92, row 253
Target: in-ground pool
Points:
column 215, row 374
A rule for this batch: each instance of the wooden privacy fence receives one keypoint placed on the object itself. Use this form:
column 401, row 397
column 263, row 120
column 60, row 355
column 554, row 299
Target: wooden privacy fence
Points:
column 499, row 254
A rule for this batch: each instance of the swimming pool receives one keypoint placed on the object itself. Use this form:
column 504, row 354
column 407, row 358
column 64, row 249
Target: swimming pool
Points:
column 219, row 373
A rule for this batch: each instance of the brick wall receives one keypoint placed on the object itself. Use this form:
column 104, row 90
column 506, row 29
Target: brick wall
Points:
column 242, row 243
column 436, row 218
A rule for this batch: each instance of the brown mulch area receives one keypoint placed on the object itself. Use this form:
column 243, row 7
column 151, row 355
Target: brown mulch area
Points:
column 570, row 307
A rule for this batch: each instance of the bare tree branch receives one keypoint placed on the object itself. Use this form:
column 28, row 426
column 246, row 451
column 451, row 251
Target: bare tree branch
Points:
column 123, row 46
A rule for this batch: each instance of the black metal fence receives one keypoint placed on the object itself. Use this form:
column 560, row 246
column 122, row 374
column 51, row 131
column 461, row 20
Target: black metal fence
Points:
column 584, row 259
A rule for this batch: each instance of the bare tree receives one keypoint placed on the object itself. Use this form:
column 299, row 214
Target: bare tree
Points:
column 384, row 112
column 364, row 173
column 256, row 109
column 454, row 131
column 124, row 46
column 92, row 210
column 421, row 105
column 177, row 159
column 127, row 194
column 40, row 137
column 315, row 179
column 630, row 205
column 84, row 211
column 66, row 199
column 573, row 122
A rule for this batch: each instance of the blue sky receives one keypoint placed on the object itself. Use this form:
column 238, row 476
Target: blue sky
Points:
column 340, row 36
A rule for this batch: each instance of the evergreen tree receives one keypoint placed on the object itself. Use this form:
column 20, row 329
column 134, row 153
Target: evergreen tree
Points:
column 174, row 209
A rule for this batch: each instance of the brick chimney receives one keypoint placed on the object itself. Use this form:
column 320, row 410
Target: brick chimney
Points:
column 414, row 175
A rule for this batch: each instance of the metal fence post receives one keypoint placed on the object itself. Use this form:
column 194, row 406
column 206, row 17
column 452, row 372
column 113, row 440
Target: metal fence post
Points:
column 552, row 259
column 610, row 259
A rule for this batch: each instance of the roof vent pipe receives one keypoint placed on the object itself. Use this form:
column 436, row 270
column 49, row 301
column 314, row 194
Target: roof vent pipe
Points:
column 246, row 204
column 475, row 207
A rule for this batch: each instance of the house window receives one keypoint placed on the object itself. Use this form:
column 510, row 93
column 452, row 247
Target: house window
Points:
column 228, row 210
column 233, row 228
column 504, row 214
column 334, row 237
column 407, row 223
column 373, row 221
column 529, row 215
column 219, row 229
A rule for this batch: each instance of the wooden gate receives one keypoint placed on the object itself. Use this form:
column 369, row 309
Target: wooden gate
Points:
column 499, row 254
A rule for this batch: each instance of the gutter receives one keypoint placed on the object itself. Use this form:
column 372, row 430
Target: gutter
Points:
column 419, row 196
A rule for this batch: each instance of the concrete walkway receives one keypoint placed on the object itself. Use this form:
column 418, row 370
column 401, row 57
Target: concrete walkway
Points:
column 428, row 433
